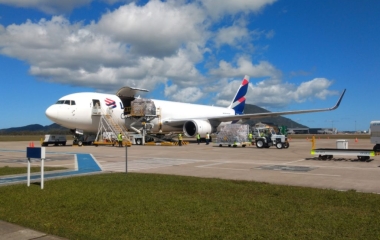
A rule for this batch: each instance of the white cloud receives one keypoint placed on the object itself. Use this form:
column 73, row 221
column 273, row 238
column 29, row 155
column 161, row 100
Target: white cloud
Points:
column 47, row 6
column 231, row 35
column 245, row 67
column 55, row 6
column 189, row 94
column 218, row 8
column 143, row 46
column 156, row 29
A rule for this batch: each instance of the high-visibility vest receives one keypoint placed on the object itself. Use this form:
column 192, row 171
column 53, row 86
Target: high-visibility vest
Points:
column 120, row 137
column 179, row 136
column 198, row 136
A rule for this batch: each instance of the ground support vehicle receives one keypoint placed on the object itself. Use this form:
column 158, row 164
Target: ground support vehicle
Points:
column 374, row 129
column 267, row 137
column 84, row 139
column 328, row 153
column 233, row 135
column 54, row 139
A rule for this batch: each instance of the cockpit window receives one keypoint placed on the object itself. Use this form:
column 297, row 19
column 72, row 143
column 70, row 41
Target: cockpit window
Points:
column 68, row 102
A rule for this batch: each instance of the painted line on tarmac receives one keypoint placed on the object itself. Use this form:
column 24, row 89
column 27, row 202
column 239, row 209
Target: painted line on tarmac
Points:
column 314, row 174
column 85, row 164
column 294, row 161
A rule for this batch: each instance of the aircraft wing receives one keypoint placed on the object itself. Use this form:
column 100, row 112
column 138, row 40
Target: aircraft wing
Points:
column 178, row 122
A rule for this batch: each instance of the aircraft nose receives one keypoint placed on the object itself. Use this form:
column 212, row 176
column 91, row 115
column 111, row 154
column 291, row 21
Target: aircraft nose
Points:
column 52, row 113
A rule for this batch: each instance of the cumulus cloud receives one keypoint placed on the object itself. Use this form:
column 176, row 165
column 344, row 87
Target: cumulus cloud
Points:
column 47, row 6
column 218, row 8
column 231, row 35
column 157, row 29
column 244, row 66
column 151, row 44
column 189, row 94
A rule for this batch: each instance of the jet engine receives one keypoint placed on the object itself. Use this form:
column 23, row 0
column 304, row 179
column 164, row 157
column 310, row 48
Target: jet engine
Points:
column 192, row 127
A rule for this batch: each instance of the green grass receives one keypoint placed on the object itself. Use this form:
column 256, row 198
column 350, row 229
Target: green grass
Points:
column 20, row 170
column 149, row 206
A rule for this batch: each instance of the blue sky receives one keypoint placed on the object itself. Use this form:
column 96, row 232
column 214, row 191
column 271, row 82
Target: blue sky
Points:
column 298, row 54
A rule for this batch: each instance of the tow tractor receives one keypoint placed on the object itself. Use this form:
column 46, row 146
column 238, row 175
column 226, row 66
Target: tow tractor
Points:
column 266, row 137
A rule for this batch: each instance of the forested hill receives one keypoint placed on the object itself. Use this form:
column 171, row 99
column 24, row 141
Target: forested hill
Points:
column 35, row 129
column 279, row 121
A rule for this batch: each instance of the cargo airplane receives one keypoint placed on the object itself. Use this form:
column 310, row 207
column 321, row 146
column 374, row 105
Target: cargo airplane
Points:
column 76, row 112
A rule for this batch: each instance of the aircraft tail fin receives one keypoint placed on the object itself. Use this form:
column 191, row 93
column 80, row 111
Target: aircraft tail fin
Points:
column 238, row 101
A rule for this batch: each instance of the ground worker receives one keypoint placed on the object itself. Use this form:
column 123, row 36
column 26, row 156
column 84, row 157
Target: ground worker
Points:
column 120, row 139
column 207, row 138
column 250, row 137
column 262, row 134
column 180, row 139
column 198, row 138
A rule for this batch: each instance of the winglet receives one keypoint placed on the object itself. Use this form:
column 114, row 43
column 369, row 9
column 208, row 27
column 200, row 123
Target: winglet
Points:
column 340, row 99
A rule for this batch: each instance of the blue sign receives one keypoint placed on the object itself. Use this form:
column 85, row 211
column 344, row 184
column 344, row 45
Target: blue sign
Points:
column 35, row 152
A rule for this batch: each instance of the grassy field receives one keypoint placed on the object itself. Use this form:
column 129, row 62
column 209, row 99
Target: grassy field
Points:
column 23, row 170
column 149, row 206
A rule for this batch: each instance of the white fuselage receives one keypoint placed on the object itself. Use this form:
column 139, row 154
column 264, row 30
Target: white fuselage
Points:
column 75, row 111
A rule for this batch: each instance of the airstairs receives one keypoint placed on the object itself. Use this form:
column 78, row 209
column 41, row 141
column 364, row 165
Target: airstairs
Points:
column 141, row 112
column 108, row 130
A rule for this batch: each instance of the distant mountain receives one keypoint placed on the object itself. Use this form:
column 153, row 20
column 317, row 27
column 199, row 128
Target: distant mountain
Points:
column 279, row 121
column 57, row 129
column 36, row 129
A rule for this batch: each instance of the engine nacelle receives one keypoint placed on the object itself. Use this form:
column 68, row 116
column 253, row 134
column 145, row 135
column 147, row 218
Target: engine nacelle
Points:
column 192, row 127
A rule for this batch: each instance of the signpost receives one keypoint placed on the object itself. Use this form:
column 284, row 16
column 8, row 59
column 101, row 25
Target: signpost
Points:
column 38, row 152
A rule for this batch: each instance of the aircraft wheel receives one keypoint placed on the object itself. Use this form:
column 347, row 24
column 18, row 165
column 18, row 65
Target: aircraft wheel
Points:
column 279, row 145
column 376, row 148
column 220, row 145
column 363, row 158
column 138, row 141
column 260, row 143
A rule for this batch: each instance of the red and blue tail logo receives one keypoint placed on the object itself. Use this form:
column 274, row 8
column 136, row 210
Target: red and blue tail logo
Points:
column 238, row 102
column 110, row 103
